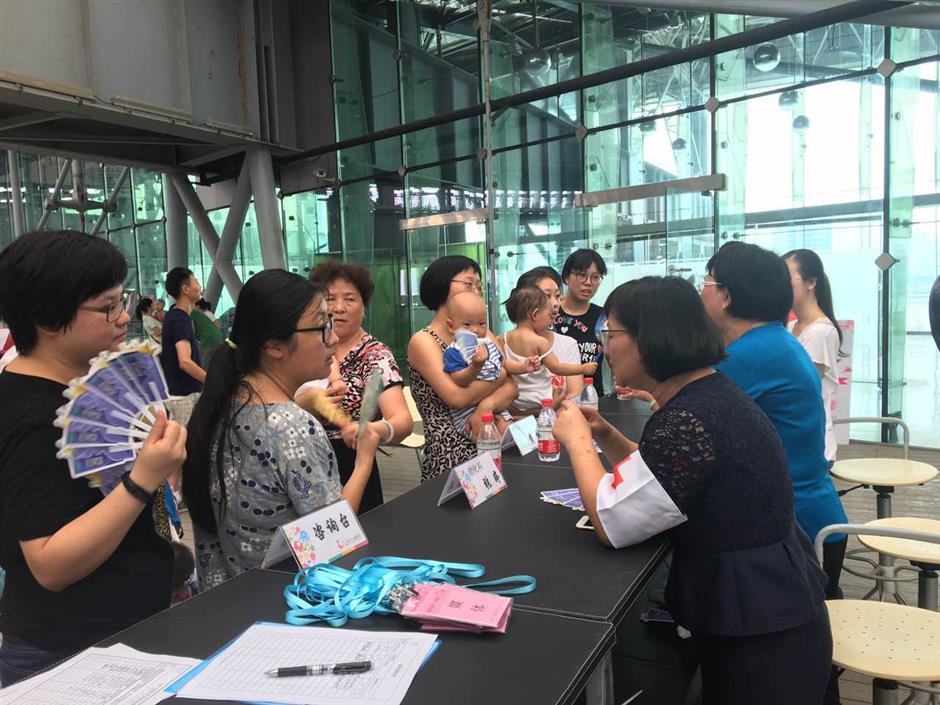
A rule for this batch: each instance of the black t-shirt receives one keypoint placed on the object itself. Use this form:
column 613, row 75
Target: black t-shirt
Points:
column 37, row 498
column 584, row 330
column 177, row 325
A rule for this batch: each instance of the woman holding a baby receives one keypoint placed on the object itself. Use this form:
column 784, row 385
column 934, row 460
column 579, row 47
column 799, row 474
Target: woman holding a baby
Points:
column 445, row 285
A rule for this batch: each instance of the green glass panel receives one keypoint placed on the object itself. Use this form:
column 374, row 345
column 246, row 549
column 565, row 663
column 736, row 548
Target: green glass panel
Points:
column 536, row 221
column 34, row 192
column 675, row 147
column 365, row 51
column 909, row 43
column 126, row 242
column 905, row 91
column 537, row 45
column 439, row 74
column 309, row 220
column 367, row 160
column 807, row 171
column 148, row 195
column 921, row 358
column 821, row 53
column 371, row 236
column 151, row 255
column 123, row 214
column 6, row 205
column 613, row 38
column 250, row 243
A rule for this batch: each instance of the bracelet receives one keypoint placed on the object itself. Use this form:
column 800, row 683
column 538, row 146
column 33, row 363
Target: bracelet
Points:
column 135, row 490
column 391, row 432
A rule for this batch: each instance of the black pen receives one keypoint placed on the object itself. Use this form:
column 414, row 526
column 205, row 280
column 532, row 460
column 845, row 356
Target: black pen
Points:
column 322, row 669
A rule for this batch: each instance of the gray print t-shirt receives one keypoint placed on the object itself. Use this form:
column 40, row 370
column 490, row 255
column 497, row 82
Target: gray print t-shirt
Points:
column 278, row 466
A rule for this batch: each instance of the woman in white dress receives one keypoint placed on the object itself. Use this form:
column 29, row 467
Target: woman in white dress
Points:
column 816, row 327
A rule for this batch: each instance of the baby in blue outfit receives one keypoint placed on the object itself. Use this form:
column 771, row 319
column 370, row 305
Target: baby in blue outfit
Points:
column 474, row 355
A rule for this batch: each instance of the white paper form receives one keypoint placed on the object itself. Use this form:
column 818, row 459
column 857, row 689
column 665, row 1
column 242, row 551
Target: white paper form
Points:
column 238, row 673
column 118, row 675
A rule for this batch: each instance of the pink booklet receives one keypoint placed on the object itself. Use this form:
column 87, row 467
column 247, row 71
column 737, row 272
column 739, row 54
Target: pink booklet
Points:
column 455, row 608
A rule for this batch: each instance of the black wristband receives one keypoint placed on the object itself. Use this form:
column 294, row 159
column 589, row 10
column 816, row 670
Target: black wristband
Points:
column 135, row 490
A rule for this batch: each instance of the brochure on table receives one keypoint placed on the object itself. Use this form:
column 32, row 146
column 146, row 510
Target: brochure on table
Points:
column 319, row 537
column 523, row 434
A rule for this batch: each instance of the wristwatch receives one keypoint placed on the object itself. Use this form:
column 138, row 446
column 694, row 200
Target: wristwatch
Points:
column 135, row 490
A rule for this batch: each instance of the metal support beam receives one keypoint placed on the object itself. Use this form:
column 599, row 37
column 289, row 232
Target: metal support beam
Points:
column 78, row 189
column 16, row 195
column 700, row 184
column 266, row 209
column 194, row 207
column 439, row 219
column 35, row 117
column 52, row 202
column 109, row 205
column 231, row 232
column 177, row 235
column 485, row 22
column 206, row 231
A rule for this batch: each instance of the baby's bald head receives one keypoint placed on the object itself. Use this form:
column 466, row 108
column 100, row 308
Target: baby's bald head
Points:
column 467, row 310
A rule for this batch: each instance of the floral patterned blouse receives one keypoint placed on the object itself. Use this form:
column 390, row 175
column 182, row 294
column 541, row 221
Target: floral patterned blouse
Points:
column 370, row 354
column 278, row 466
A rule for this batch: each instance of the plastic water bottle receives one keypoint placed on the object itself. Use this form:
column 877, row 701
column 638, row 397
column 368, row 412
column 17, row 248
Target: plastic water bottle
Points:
column 489, row 441
column 549, row 450
column 588, row 397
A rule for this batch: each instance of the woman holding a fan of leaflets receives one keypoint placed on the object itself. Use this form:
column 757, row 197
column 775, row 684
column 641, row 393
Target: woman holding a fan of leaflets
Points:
column 80, row 565
column 256, row 460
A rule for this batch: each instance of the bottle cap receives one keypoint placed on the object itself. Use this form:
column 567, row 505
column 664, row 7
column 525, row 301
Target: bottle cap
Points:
column 547, row 403
column 486, row 418
column 589, row 380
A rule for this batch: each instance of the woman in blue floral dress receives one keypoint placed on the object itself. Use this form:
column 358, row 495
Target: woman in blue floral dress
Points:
column 256, row 460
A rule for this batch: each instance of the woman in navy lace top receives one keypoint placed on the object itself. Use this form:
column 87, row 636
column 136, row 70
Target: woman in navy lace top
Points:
column 711, row 471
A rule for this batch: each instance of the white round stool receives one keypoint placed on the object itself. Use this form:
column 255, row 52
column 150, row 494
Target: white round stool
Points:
column 895, row 644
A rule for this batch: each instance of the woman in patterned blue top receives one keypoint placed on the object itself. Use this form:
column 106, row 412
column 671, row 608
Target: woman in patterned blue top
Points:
column 255, row 460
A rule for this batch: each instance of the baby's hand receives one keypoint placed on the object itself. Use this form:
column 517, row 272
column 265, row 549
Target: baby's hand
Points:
column 532, row 363
column 589, row 368
column 480, row 356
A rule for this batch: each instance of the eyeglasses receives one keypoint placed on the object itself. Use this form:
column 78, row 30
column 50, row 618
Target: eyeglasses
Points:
column 470, row 284
column 585, row 277
column 326, row 330
column 703, row 284
column 604, row 335
column 111, row 310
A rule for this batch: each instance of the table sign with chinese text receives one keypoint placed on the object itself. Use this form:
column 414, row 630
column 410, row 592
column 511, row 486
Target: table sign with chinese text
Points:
column 478, row 478
column 321, row 536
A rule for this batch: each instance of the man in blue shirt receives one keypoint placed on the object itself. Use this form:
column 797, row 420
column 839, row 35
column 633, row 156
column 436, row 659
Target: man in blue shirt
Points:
column 181, row 360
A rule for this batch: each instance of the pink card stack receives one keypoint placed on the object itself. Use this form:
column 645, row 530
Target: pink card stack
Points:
column 451, row 608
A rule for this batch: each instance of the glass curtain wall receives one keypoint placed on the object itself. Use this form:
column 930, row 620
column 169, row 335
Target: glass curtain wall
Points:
column 829, row 139
column 135, row 227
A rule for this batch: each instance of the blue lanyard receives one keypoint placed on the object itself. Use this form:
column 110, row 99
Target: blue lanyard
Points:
column 327, row 593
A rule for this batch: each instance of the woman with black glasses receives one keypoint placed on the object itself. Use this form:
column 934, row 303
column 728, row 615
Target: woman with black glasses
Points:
column 256, row 460
column 435, row 393
column 710, row 472
column 80, row 566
